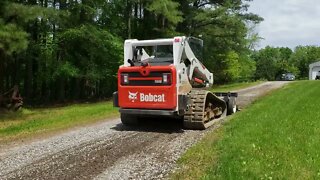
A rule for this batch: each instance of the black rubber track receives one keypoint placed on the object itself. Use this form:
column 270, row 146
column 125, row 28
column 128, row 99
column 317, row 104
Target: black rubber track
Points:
column 194, row 115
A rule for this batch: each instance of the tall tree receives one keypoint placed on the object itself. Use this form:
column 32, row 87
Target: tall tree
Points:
column 167, row 14
column 223, row 26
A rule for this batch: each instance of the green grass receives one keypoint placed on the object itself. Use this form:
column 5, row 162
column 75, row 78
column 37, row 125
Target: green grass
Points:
column 278, row 137
column 234, row 86
column 29, row 122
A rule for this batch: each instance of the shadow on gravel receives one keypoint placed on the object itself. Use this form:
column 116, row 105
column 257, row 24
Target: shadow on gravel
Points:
column 159, row 125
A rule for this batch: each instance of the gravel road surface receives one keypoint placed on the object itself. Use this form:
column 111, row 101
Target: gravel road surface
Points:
column 109, row 150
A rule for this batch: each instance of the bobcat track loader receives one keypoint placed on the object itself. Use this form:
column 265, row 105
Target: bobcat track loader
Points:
column 165, row 77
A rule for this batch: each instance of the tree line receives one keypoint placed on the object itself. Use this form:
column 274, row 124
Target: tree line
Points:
column 70, row 50
column 271, row 62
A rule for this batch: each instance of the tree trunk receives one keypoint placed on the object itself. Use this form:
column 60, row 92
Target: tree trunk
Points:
column 15, row 76
column 8, row 74
column 62, row 92
column 163, row 23
column 28, row 79
column 129, row 13
column 1, row 73
column 75, row 88
column 135, row 25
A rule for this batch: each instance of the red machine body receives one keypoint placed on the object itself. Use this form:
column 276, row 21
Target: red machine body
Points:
column 149, row 87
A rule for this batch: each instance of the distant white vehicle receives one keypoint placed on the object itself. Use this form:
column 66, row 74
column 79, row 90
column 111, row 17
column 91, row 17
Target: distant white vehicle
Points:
column 288, row 77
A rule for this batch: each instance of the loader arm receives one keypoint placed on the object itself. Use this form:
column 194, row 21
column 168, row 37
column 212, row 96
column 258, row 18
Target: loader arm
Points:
column 197, row 72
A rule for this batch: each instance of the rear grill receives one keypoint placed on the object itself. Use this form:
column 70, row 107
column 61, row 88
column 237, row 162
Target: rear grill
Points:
column 153, row 79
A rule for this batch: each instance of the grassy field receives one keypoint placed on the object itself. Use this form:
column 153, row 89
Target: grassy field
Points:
column 234, row 86
column 278, row 137
column 35, row 121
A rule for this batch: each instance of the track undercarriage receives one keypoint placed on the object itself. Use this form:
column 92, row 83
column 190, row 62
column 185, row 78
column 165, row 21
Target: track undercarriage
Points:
column 204, row 109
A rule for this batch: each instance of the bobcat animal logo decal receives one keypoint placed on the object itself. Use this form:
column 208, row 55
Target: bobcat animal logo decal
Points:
column 133, row 96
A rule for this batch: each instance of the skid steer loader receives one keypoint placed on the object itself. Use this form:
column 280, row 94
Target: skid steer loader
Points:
column 166, row 77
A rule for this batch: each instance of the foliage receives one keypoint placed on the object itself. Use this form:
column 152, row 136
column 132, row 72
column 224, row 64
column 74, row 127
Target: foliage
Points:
column 97, row 56
column 227, row 69
column 267, row 63
column 222, row 24
column 247, row 68
column 303, row 57
column 60, row 51
column 272, row 62
column 167, row 9
column 12, row 38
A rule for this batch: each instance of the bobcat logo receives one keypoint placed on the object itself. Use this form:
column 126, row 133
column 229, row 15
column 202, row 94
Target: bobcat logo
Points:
column 133, row 96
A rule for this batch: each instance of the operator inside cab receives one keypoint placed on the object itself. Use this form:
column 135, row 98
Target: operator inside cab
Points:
column 154, row 55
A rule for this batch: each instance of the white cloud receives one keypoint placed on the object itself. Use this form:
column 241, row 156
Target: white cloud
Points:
column 288, row 22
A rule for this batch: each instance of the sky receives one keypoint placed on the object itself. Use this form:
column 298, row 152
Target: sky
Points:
column 288, row 23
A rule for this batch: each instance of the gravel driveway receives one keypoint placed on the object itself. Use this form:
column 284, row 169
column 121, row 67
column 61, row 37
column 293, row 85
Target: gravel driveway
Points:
column 110, row 150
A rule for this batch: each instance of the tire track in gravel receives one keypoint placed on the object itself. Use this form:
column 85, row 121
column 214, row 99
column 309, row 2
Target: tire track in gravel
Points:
column 81, row 161
column 110, row 150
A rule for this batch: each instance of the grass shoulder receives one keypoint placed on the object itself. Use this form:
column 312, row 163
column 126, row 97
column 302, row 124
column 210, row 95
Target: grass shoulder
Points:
column 29, row 122
column 275, row 138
